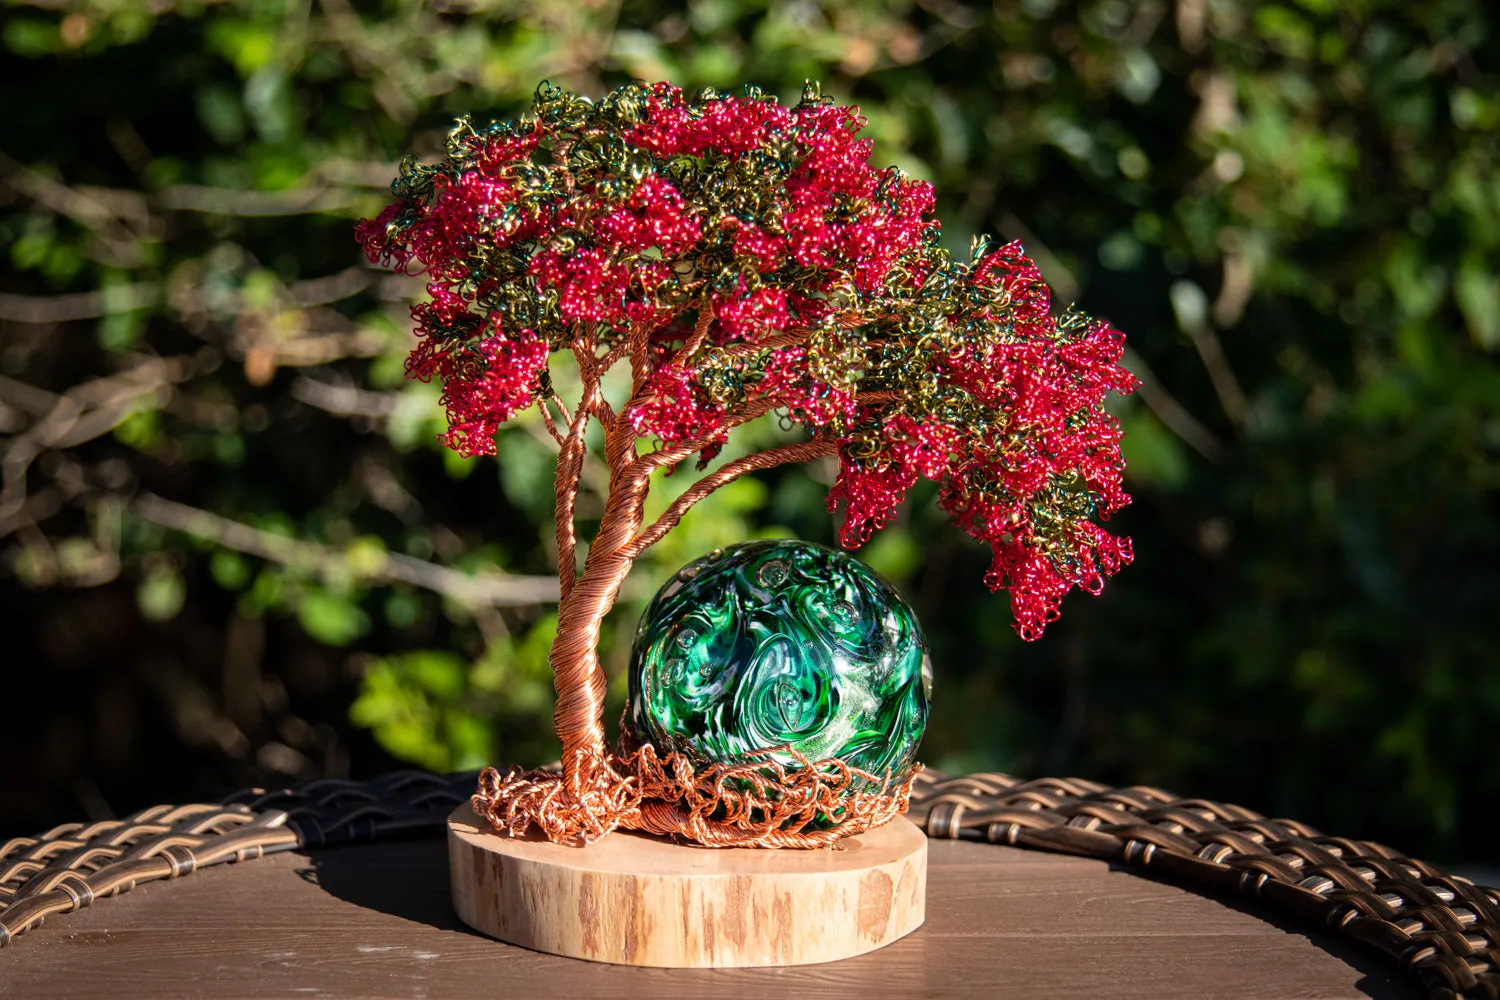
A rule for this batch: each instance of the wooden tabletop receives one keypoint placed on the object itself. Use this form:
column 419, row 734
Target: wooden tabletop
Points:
column 376, row 921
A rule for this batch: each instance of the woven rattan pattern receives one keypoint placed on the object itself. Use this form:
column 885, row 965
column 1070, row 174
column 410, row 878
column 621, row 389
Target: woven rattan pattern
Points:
column 67, row 868
column 1441, row 929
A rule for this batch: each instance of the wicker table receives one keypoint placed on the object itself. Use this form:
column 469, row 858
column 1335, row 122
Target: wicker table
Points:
column 310, row 911
column 374, row 920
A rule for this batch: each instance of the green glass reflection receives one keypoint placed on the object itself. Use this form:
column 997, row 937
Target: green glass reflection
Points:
column 774, row 643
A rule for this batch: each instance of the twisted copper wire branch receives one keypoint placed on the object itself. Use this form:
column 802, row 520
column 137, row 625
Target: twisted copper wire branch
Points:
column 803, row 451
column 578, row 677
column 565, row 486
column 548, row 422
column 795, row 338
column 697, row 337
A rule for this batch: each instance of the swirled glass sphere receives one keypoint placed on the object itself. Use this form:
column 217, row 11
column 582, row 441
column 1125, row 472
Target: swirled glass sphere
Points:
column 781, row 643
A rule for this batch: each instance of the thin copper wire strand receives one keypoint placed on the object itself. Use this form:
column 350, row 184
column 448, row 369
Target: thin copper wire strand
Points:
column 562, row 408
column 548, row 422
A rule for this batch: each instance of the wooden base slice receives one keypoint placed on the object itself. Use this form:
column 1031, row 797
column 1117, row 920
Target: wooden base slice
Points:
column 638, row 900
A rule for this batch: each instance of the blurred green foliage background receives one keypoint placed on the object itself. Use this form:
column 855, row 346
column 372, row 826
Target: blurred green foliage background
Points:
column 234, row 553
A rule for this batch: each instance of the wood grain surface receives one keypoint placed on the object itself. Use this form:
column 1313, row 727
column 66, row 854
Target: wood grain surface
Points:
column 637, row 900
column 377, row 921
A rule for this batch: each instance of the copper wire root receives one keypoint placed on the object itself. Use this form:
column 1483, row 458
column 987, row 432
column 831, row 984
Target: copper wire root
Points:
column 758, row 803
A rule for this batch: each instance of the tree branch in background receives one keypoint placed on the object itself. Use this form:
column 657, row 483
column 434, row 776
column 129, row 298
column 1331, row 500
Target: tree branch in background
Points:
column 81, row 414
column 42, row 309
column 352, row 401
column 96, row 407
column 115, row 244
column 1226, row 385
column 349, row 32
column 1170, row 412
column 491, row 589
column 1239, row 282
column 1064, row 283
column 344, row 400
column 331, row 288
column 252, row 204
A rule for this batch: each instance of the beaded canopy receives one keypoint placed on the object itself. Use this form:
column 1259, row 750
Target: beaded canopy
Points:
column 744, row 258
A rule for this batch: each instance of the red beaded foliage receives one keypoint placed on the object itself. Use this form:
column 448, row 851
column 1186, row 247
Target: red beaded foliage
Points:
column 1018, row 436
column 748, row 258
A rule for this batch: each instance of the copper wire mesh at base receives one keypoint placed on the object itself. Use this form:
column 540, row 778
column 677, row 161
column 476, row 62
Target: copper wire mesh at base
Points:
column 758, row 803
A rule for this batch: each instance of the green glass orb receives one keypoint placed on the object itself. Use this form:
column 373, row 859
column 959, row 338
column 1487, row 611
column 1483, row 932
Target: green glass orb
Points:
column 781, row 643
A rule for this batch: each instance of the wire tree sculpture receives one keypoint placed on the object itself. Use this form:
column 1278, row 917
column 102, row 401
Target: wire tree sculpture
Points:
column 744, row 258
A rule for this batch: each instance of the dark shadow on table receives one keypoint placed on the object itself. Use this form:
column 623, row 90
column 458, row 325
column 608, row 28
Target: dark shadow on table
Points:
column 404, row 878
column 1379, row 977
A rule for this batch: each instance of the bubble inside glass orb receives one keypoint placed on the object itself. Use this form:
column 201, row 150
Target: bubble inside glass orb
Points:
column 781, row 643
